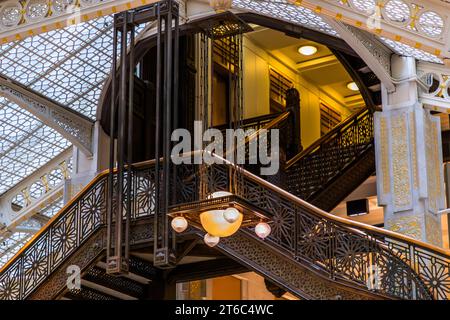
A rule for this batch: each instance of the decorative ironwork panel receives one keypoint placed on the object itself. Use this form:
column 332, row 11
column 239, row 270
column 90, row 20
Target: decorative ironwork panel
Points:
column 349, row 252
column 325, row 160
column 72, row 227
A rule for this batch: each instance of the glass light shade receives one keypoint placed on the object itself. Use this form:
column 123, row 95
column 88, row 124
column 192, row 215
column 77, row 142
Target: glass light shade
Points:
column 262, row 230
column 219, row 194
column 307, row 50
column 215, row 224
column 210, row 240
column 179, row 224
column 231, row 215
column 352, row 86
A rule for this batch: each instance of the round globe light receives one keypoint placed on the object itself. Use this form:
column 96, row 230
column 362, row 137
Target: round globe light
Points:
column 210, row 240
column 262, row 230
column 214, row 223
column 179, row 224
column 231, row 215
column 307, row 50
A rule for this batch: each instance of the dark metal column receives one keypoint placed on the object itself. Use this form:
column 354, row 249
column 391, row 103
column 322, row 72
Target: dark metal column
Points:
column 120, row 179
column 168, row 33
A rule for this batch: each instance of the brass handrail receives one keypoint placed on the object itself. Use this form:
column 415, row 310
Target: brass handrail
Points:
column 76, row 198
column 61, row 211
column 327, row 137
column 270, row 125
column 342, row 221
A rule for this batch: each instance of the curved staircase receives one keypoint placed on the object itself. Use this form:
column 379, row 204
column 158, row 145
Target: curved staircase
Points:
column 310, row 253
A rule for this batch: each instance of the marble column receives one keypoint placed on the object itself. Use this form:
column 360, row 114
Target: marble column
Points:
column 410, row 181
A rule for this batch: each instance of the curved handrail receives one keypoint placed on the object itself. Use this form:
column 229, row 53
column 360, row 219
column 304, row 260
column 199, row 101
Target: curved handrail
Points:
column 272, row 124
column 347, row 222
column 328, row 137
column 50, row 223
column 329, row 216
column 373, row 233
column 81, row 217
column 397, row 255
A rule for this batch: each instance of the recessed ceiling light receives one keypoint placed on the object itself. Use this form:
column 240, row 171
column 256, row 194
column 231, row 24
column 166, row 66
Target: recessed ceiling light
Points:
column 307, row 50
column 352, row 86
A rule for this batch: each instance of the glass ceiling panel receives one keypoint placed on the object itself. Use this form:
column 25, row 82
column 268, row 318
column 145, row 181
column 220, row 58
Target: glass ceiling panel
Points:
column 66, row 65
column 409, row 51
column 285, row 10
column 25, row 144
column 69, row 66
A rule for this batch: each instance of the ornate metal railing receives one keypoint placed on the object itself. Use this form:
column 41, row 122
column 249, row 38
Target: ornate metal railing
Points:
column 255, row 123
column 68, row 230
column 380, row 260
column 312, row 169
column 400, row 266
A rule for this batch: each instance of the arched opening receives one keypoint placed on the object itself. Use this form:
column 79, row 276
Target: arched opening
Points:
column 333, row 83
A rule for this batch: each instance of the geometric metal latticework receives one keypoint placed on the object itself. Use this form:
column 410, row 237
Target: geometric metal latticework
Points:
column 301, row 232
column 406, row 50
column 69, row 66
column 26, row 144
column 71, row 228
column 286, row 11
column 323, row 161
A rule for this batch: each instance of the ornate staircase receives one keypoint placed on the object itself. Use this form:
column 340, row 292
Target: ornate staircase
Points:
column 310, row 253
column 336, row 164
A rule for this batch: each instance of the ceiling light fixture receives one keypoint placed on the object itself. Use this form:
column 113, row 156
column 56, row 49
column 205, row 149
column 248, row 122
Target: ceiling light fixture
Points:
column 352, row 86
column 307, row 50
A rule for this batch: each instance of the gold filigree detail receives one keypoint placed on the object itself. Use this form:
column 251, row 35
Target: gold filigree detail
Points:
column 385, row 155
column 412, row 126
column 400, row 163
column 410, row 226
column 433, row 165
column 433, row 230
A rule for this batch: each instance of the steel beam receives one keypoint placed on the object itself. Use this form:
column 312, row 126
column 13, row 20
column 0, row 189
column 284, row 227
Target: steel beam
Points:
column 72, row 125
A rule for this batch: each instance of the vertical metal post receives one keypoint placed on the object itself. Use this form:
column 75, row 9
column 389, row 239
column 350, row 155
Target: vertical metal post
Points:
column 156, row 230
column 116, row 262
column 110, row 207
column 167, row 123
column 130, row 138
column 163, row 255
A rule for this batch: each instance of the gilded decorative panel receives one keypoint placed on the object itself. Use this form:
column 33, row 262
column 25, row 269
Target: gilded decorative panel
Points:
column 408, row 225
column 412, row 128
column 384, row 146
column 400, row 163
column 433, row 164
column 433, row 230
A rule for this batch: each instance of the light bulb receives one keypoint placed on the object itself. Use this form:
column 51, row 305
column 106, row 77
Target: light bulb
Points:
column 307, row 50
column 262, row 230
column 352, row 86
column 211, row 241
column 231, row 214
column 179, row 224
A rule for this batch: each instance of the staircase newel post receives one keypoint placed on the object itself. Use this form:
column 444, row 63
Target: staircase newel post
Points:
column 294, row 143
